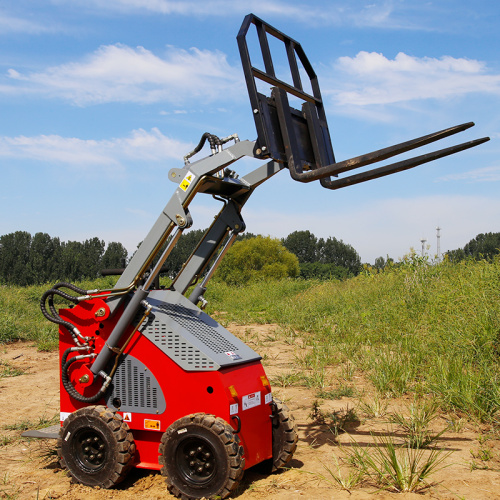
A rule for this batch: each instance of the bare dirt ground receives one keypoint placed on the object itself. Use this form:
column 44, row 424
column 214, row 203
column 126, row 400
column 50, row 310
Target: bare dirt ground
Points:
column 29, row 468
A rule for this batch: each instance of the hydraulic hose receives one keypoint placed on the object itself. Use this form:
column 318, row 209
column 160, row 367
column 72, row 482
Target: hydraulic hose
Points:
column 65, row 364
column 213, row 140
column 54, row 317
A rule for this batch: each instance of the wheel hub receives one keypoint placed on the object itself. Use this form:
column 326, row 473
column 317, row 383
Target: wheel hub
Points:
column 90, row 449
column 197, row 461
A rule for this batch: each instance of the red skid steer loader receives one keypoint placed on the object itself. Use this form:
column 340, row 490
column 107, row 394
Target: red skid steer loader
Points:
column 148, row 379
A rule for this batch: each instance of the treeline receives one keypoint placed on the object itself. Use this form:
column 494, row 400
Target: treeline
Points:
column 29, row 260
column 318, row 257
column 323, row 258
column 483, row 246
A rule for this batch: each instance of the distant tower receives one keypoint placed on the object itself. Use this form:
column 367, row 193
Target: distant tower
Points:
column 423, row 240
column 438, row 236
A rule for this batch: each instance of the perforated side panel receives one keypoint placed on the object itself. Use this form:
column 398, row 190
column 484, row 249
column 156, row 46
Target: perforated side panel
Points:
column 181, row 351
column 203, row 332
column 135, row 388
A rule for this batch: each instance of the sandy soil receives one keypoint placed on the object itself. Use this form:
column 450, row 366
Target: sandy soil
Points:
column 29, row 468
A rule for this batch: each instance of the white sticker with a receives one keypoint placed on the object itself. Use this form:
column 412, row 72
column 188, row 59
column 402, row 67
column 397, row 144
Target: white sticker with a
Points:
column 250, row 401
column 233, row 409
column 268, row 398
column 63, row 416
column 232, row 355
column 127, row 417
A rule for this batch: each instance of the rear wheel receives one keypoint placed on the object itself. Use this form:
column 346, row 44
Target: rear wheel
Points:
column 201, row 457
column 284, row 435
column 96, row 447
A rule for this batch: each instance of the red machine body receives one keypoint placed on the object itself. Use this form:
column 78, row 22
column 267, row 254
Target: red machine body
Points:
column 240, row 395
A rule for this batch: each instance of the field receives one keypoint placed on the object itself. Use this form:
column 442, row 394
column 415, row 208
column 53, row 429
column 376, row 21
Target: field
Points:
column 393, row 379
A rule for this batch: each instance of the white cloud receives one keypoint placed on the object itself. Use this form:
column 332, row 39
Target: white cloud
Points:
column 370, row 78
column 118, row 73
column 10, row 24
column 104, row 156
column 326, row 12
column 215, row 8
column 486, row 174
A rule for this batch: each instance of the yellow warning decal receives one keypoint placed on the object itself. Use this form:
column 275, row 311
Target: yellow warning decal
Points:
column 186, row 182
column 152, row 424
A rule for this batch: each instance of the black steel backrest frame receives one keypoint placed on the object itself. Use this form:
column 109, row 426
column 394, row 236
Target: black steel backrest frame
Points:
column 285, row 134
column 301, row 139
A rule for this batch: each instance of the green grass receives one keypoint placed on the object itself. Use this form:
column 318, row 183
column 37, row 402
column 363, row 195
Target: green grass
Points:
column 7, row 370
column 412, row 329
column 26, row 424
column 396, row 468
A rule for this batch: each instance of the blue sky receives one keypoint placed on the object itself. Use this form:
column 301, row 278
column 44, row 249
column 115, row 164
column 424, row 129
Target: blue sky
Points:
column 100, row 98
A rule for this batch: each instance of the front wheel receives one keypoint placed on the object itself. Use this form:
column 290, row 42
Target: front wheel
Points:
column 201, row 457
column 96, row 446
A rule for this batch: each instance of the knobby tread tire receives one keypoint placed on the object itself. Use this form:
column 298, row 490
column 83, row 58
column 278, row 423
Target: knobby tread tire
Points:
column 284, row 435
column 230, row 457
column 113, row 433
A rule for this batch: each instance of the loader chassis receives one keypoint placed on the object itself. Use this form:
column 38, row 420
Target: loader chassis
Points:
column 148, row 379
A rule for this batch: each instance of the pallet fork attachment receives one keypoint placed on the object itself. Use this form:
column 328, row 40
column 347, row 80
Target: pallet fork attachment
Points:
column 301, row 138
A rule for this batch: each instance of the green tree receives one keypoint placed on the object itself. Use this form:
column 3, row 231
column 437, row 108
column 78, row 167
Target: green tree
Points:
column 44, row 258
column 483, row 246
column 14, row 255
column 334, row 251
column 303, row 244
column 114, row 257
column 93, row 250
column 260, row 258
column 71, row 264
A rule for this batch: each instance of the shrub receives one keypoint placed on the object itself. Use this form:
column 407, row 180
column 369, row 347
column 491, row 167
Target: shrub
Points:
column 257, row 259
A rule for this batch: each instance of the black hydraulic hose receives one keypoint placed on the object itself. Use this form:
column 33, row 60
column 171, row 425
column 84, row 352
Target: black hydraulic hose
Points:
column 75, row 288
column 54, row 317
column 49, row 294
column 213, row 140
column 65, row 364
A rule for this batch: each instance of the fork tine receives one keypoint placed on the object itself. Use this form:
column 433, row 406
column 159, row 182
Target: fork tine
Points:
column 399, row 166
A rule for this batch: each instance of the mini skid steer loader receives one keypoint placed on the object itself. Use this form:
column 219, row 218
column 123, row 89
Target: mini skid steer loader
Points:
column 148, row 379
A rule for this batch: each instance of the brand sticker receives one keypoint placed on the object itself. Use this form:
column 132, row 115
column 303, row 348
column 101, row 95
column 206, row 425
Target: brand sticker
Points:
column 250, row 401
column 63, row 416
column 233, row 409
column 127, row 417
column 152, row 424
column 268, row 398
column 182, row 431
column 186, row 182
column 232, row 355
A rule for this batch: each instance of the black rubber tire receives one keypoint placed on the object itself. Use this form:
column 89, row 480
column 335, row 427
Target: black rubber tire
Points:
column 201, row 457
column 284, row 435
column 96, row 447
